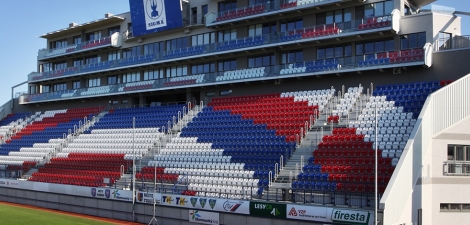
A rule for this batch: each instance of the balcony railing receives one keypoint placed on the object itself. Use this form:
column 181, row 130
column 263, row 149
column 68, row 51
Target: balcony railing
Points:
column 457, row 168
column 257, row 10
column 319, row 32
column 307, row 68
column 455, row 42
column 113, row 40
column 193, row 20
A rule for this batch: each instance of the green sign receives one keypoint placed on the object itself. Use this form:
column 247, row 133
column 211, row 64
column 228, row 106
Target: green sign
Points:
column 267, row 209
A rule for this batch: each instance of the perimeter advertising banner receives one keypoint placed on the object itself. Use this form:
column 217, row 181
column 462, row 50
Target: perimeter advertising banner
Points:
column 268, row 209
column 209, row 204
column 331, row 215
column 113, row 194
column 203, row 217
column 151, row 16
column 148, row 197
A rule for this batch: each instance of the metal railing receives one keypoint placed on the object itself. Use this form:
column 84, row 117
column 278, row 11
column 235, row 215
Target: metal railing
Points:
column 299, row 35
column 457, row 168
column 455, row 42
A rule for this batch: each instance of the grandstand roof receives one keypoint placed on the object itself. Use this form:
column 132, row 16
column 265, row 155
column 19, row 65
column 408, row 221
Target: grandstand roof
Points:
column 109, row 19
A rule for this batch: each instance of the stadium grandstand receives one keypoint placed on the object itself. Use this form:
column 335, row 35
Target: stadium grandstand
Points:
column 248, row 111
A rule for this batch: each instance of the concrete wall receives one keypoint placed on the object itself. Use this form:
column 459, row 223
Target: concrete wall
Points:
column 123, row 210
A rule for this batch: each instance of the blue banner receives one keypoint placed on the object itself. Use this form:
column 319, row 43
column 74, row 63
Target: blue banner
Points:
column 152, row 16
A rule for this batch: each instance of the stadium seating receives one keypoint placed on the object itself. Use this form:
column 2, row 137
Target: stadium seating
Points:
column 386, row 58
column 145, row 117
column 183, row 52
column 136, row 60
column 96, row 66
column 140, row 85
column 95, row 91
column 375, row 22
column 107, row 148
column 346, row 104
column 23, row 150
column 241, row 43
column 184, row 80
column 242, row 74
column 232, row 147
column 238, row 13
column 344, row 160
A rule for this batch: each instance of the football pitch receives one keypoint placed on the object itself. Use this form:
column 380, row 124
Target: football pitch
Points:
column 14, row 215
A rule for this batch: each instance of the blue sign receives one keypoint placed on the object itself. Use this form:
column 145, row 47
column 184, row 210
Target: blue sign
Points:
column 151, row 16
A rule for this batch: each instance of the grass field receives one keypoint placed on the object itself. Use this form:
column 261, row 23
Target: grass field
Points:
column 13, row 215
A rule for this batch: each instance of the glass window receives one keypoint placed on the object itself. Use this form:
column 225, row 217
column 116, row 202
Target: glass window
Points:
column 60, row 87
column 421, row 39
column 388, row 7
column 124, row 101
column 227, row 35
column 112, row 80
column 210, row 94
column 227, row 5
column 369, row 48
column 114, row 55
column 226, row 92
column 176, row 71
column 203, row 39
column 258, row 61
column 77, row 39
column 416, row 40
column 369, row 10
column 76, row 84
column 227, row 65
column 329, row 53
column 46, row 88
column 60, row 65
column 389, row 45
column 379, row 46
column 94, row 82
column 203, row 68
column 154, row 74
column 131, row 77
column 359, row 49
column 92, row 59
column 321, row 53
column 292, row 24
column 113, row 30
column 338, row 16
column 329, row 17
column 379, row 9
column 347, row 15
column 93, row 36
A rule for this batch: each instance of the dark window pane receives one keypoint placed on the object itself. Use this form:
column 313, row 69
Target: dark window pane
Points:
column 369, row 48
column 379, row 46
column 389, row 45
column 421, row 39
column 347, row 51
column 338, row 52
column 329, row 53
column 413, row 40
column 359, row 49
column 320, row 53
column 404, row 42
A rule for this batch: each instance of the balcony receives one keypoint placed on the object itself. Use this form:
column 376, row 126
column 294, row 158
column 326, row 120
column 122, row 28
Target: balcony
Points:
column 114, row 40
column 375, row 61
column 270, row 8
column 457, row 168
column 307, row 34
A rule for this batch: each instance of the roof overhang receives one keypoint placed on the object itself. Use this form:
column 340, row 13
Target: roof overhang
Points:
column 83, row 26
column 421, row 3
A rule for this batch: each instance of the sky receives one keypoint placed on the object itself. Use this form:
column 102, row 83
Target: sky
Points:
column 25, row 20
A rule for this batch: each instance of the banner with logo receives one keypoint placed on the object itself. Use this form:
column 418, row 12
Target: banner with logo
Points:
column 113, row 194
column 203, row 217
column 325, row 214
column 9, row 183
column 148, row 197
column 151, row 16
column 210, row 204
column 268, row 209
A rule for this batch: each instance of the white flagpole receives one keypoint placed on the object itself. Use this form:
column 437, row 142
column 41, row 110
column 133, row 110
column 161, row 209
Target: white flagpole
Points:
column 376, row 167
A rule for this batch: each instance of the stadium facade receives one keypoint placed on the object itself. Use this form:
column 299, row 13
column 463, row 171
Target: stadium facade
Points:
column 248, row 111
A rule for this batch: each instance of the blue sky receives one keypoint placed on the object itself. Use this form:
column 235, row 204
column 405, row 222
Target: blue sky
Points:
column 24, row 20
